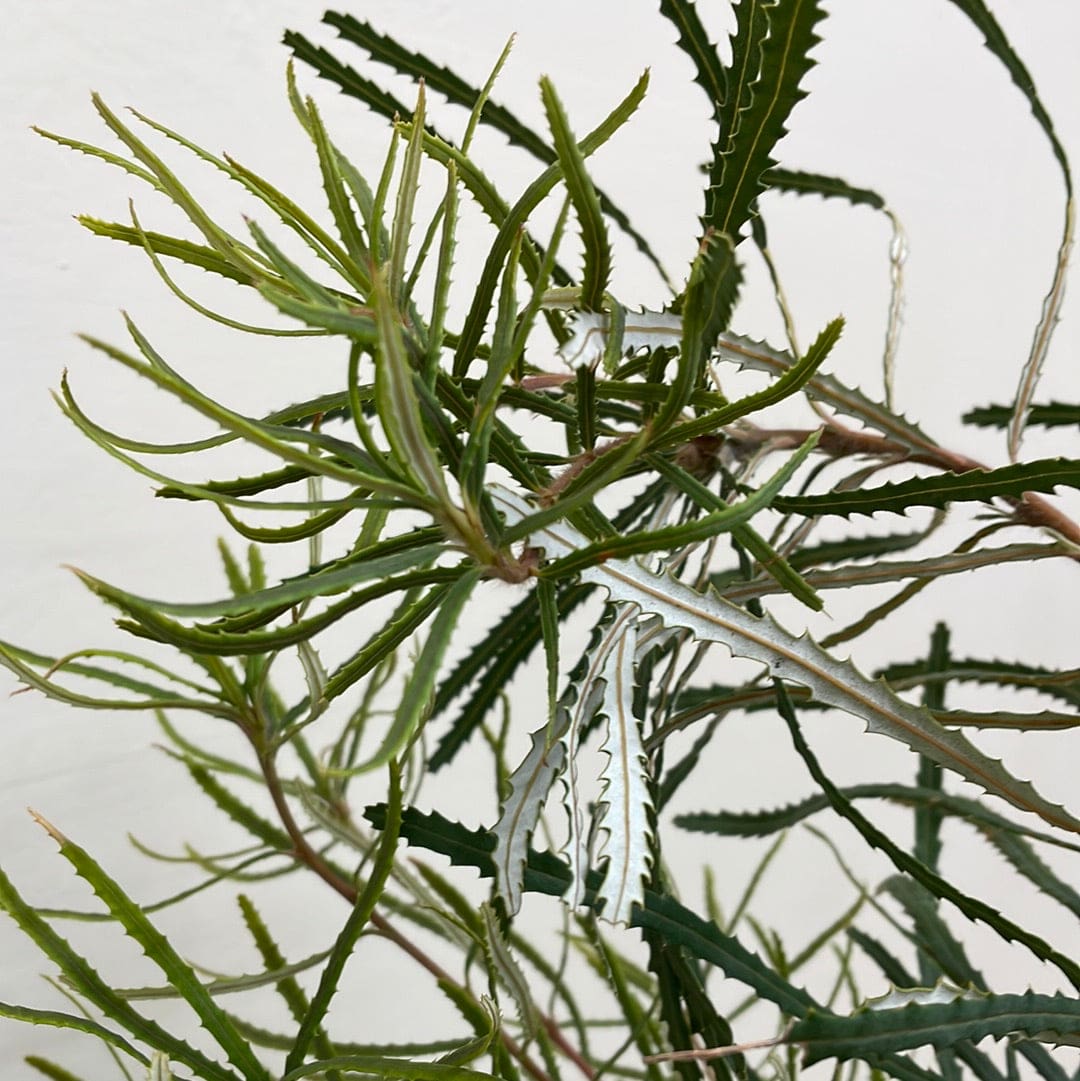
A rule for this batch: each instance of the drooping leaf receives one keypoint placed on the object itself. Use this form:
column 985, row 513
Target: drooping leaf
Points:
column 55, row 1019
column 546, row 873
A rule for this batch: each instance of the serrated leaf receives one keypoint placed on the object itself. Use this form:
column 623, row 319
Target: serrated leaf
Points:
column 519, row 815
column 1042, row 475
column 828, row 187
column 760, row 356
column 670, row 537
column 1052, row 1018
column 86, row 981
column 583, row 196
column 797, row 659
column 546, row 873
column 414, row 703
column 710, row 74
column 438, row 78
column 485, row 287
column 625, row 802
column 1051, row 415
column 55, row 1019
column 366, row 900
column 186, row 251
column 759, row 117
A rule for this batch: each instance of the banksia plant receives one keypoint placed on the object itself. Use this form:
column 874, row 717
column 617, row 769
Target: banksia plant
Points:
column 551, row 451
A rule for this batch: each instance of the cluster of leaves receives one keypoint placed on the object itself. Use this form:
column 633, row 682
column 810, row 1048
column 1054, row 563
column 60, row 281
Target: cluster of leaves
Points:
column 420, row 461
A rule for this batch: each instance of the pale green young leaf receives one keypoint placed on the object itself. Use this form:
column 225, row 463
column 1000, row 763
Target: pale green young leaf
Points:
column 625, row 806
column 233, row 251
column 972, row 907
column 323, row 582
column 186, row 251
column 473, row 328
column 406, row 200
column 86, row 981
column 670, row 537
column 366, row 900
column 710, row 74
column 55, row 1019
column 414, row 705
column 438, row 78
column 583, row 196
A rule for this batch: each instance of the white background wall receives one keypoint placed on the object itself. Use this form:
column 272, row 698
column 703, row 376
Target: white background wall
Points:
column 905, row 100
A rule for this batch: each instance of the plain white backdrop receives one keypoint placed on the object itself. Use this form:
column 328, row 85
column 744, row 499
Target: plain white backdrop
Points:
column 905, row 101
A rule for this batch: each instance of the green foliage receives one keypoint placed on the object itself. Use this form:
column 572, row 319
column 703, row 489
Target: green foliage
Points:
column 418, row 493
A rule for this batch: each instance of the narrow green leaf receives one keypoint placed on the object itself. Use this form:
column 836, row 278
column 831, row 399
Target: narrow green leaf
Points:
column 186, row 251
column 473, row 328
column 709, row 299
column 410, row 615
column 1053, row 1018
column 85, row 980
column 757, row 113
column 793, row 379
column 503, row 650
column 709, row 73
column 828, row 187
column 583, row 196
column 998, row 44
column 1051, row 415
column 414, row 705
column 416, row 66
column 350, row 933
column 218, row 239
column 1041, row 475
column 475, row 459
column 328, row 581
column 973, row 908
column 54, row 1019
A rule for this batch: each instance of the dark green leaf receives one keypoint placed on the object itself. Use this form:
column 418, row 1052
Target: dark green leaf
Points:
column 759, row 106
column 1011, row 481
column 1051, row 415
column 1054, row 1018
